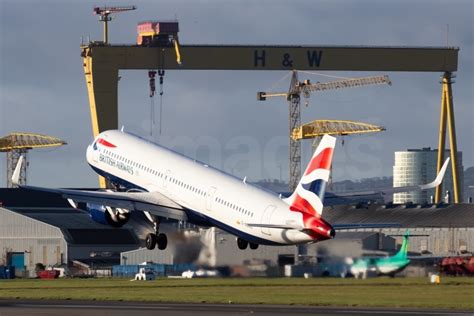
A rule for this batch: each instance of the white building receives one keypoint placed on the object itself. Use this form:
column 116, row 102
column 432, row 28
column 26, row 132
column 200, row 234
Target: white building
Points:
column 418, row 166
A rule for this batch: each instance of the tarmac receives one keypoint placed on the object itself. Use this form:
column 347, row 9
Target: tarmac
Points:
column 93, row 308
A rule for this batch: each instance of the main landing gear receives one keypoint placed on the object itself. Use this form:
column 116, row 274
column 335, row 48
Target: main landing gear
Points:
column 153, row 239
column 242, row 244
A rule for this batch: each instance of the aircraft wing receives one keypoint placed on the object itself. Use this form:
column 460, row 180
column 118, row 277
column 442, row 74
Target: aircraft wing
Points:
column 153, row 202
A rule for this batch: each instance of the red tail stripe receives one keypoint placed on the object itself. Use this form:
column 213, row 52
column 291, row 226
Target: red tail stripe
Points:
column 303, row 206
column 319, row 228
column 321, row 161
column 105, row 143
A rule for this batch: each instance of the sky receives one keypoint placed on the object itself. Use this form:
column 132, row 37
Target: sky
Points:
column 214, row 116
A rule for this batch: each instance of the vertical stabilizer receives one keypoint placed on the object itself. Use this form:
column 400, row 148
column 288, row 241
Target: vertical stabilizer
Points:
column 403, row 252
column 309, row 194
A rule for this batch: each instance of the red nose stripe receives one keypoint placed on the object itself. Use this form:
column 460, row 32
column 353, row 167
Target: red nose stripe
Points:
column 105, row 143
column 321, row 161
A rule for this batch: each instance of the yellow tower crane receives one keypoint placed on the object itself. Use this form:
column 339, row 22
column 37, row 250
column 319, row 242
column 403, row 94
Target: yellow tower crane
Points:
column 18, row 144
column 294, row 96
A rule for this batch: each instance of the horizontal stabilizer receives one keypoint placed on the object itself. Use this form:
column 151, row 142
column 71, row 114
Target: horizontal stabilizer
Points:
column 363, row 225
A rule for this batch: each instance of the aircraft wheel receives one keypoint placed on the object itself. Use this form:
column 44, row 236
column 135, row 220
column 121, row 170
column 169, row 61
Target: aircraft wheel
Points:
column 253, row 246
column 162, row 241
column 150, row 241
column 242, row 244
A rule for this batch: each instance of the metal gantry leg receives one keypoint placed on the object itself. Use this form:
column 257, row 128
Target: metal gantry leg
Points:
column 447, row 114
column 102, row 101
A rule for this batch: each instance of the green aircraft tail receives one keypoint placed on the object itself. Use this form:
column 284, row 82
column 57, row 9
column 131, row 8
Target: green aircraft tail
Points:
column 403, row 252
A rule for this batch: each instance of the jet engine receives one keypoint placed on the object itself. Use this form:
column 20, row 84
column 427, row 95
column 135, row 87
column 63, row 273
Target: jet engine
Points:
column 115, row 217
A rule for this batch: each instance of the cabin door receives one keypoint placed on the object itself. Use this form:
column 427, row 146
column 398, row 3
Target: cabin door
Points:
column 266, row 219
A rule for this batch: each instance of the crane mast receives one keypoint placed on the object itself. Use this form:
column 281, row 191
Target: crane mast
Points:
column 294, row 100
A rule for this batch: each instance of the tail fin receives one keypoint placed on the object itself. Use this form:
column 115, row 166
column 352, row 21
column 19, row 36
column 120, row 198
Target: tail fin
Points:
column 403, row 252
column 309, row 194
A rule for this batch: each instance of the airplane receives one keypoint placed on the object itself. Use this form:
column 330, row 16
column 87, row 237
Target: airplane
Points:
column 167, row 185
column 382, row 266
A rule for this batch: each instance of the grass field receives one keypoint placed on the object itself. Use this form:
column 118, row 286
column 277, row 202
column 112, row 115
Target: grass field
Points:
column 452, row 293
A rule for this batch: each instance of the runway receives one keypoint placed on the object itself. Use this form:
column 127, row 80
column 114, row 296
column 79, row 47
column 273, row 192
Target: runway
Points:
column 92, row 308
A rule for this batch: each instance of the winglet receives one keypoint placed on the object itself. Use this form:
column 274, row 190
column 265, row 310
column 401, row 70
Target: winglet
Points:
column 16, row 173
column 439, row 178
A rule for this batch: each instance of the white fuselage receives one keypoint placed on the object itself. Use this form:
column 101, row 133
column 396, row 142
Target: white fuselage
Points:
column 206, row 194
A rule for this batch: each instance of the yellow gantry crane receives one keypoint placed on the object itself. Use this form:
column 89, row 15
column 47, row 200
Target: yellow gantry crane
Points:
column 294, row 99
column 18, row 144
column 102, row 62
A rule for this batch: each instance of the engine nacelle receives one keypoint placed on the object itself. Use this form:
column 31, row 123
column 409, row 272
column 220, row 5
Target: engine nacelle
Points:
column 115, row 217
